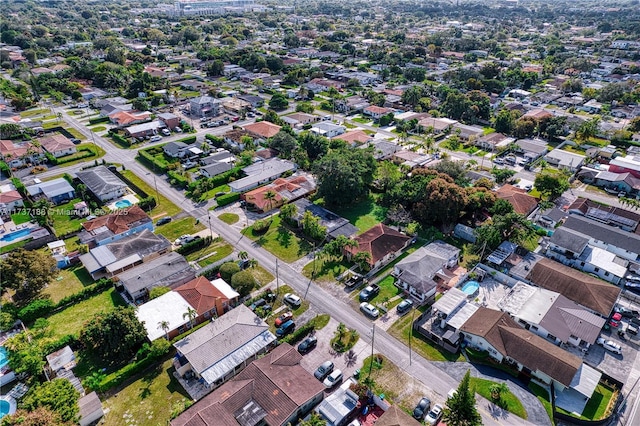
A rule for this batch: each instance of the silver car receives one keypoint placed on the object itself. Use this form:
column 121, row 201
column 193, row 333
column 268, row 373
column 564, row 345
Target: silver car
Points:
column 369, row 309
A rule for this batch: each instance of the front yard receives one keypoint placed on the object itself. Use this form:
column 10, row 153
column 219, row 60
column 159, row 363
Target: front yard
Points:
column 280, row 241
column 326, row 269
column 510, row 402
column 176, row 228
column 164, row 207
column 364, row 215
column 218, row 249
column 598, row 405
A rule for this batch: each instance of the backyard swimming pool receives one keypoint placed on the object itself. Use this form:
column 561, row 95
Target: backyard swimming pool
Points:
column 15, row 234
column 123, row 204
column 7, row 406
column 470, row 288
column 3, row 357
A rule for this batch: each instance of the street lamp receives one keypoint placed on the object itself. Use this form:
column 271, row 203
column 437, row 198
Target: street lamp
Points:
column 373, row 336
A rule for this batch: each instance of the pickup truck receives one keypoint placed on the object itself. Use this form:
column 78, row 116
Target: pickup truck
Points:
column 369, row 292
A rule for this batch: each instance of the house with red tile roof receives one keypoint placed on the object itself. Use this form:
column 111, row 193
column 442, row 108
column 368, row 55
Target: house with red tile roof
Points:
column 284, row 190
column 354, row 137
column 262, row 129
column 381, row 242
column 114, row 226
column 538, row 114
column 522, row 202
column 57, row 145
column 376, row 112
column 209, row 298
column 17, row 155
column 127, row 118
column 9, row 201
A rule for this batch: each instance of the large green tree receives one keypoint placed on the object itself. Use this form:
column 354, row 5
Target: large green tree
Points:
column 27, row 272
column 443, row 203
column 284, row 143
column 512, row 226
column 243, row 282
column 41, row 416
column 461, row 407
column 551, row 185
column 344, row 175
column 58, row 395
column 114, row 336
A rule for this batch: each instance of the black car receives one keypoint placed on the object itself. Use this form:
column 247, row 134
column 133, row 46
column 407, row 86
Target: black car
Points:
column 626, row 312
column 307, row 344
column 75, row 141
column 422, row 408
column 286, row 328
column 256, row 304
column 163, row 221
column 404, row 306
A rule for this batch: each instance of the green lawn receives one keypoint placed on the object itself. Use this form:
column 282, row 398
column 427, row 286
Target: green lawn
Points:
column 67, row 282
column 326, row 269
column 176, row 228
column 95, row 150
column 387, row 289
column 261, row 275
column 21, row 217
column 214, row 252
column 422, row 346
column 280, row 241
column 543, row 396
column 34, row 112
column 148, row 401
column 212, row 192
column 363, row 215
column 510, row 402
column 71, row 320
column 10, row 247
column 164, row 206
column 98, row 129
column 64, row 223
column 229, row 218
column 596, row 407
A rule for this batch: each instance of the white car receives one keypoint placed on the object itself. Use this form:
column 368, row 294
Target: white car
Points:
column 369, row 309
column 610, row 345
column 292, row 300
column 183, row 240
column 434, row 415
column 156, row 138
column 333, row 379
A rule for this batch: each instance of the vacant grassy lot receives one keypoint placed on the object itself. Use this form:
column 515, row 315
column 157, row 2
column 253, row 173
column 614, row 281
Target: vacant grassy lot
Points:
column 164, row 206
column 149, row 401
column 387, row 289
column 511, row 402
column 20, row 217
column 280, row 241
column 212, row 253
column 363, row 215
column 326, row 269
column 261, row 275
column 67, row 282
column 176, row 228
column 229, row 218
column 34, row 112
column 401, row 329
column 71, row 320
column 64, row 223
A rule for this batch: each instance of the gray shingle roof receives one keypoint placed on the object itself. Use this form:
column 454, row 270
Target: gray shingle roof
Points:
column 167, row 270
column 100, row 180
column 599, row 231
column 569, row 239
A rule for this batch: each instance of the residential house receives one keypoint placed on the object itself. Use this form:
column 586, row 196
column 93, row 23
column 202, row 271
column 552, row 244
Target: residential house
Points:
column 505, row 341
column 18, row 155
column 335, row 225
column 355, row 137
column 253, row 100
column 411, row 159
column 382, row 149
column 216, row 352
column 565, row 160
column 57, row 145
column 129, row 118
column 352, row 104
column 613, row 216
column 301, row 118
column 210, row 299
column 192, row 85
column 262, row 130
column 175, row 149
column 317, row 85
column 143, row 130
column 340, row 406
column 114, row 226
column 102, row 183
column 261, row 172
column 625, row 182
column 274, row 390
column 214, row 169
column 108, row 109
column 170, row 269
column 219, row 155
column 419, row 273
column 113, row 258
column 592, row 293
column 169, row 120
column 531, row 149
column 538, row 114
column 627, row 164
column 10, row 201
column 57, row 191
column 234, row 138
column 394, row 416
column 552, row 316
column 236, row 105
column 205, row 106
column 328, row 130
column 492, row 141
column 171, row 310
column 467, row 133
column 437, row 125
column 376, row 112
column 381, row 242
column 522, row 202
column 284, row 190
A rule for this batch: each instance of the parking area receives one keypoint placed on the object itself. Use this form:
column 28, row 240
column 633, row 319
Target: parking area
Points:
column 617, row 366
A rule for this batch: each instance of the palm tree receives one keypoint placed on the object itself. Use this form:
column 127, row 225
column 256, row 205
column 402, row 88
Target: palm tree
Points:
column 243, row 255
column 164, row 325
column 497, row 389
column 253, row 263
column 191, row 314
column 269, row 196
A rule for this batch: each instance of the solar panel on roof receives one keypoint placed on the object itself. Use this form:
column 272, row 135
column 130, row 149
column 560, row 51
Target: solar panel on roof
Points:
column 608, row 217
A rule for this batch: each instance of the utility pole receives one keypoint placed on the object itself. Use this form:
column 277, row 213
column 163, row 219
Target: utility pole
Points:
column 373, row 336
column 413, row 311
column 277, row 279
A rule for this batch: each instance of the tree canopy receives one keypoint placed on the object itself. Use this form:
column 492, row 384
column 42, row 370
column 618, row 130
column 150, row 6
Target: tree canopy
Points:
column 461, row 407
column 27, row 272
column 58, row 395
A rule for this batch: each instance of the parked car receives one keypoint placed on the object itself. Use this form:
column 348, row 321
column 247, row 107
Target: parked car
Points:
column 422, row 408
column 451, row 393
column 292, row 300
column 369, row 309
column 332, row 379
column 626, row 312
column 177, row 129
column 498, row 161
column 184, row 239
column 156, row 138
column 75, row 141
column 610, row 345
column 283, row 318
column 257, row 303
column 323, row 370
column 615, row 320
column 369, row 292
column 163, row 221
column 404, row 306
column 434, row 415
column 286, row 328
column 165, row 132
column 307, row 344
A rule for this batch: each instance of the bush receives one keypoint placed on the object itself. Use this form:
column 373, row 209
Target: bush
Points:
column 298, row 335
column 4, row 168
column 150, row 161
column 229, row 198
column 260, row 226
column 37, row 309
column 6, row 321
column 67, row 340
column 121, row 140
column 147, row 203
column 188, row 140
column 177, row 179
column 215, row 140
column 98, row 120
column 83, row 152
column 196, row 245
column 243, row 282
column 228, row 269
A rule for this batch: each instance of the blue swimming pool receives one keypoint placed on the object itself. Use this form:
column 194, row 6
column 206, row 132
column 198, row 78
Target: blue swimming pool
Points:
column 3, row 357
column 15, row 235
column 123, row 204
column 5, row 408
column 470, row 288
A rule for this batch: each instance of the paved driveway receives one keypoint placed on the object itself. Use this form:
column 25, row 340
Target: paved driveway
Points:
column 617, row 366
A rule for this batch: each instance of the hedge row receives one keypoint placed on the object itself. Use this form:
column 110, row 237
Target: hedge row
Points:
column 98, row 120
column 83, row 152
column 193, row 246
column 187, row 140
column 151, row 162
column 177, row 179
column 229, row 198
column 121, row 140
column 220, row 179
column 147, row 203
column 298, row 334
